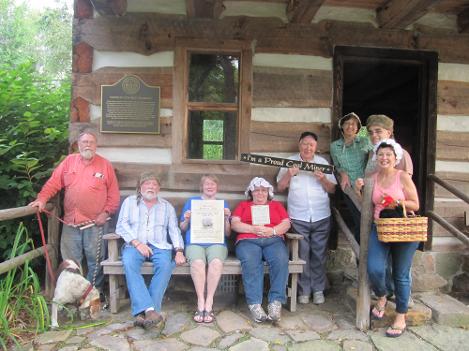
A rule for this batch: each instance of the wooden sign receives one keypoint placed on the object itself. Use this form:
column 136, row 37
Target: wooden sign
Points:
column 130, row 106
column 287, row 163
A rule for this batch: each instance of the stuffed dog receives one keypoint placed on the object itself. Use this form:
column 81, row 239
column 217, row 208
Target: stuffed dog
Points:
column 72, row 288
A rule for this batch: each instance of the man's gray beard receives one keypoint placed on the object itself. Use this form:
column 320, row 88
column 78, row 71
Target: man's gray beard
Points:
column 87, row 154
column 149, row 196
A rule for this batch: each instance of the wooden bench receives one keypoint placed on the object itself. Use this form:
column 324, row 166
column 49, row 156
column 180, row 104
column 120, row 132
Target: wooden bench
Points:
column 114, row 268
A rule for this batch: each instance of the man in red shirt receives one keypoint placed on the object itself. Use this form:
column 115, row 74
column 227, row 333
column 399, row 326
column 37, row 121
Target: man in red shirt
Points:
column 91, row 194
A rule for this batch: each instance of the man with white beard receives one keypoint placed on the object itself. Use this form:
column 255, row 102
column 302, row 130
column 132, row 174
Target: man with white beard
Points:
column 145, row 222
column 91, row 196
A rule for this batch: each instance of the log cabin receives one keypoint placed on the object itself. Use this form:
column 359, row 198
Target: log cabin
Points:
column 240, row 76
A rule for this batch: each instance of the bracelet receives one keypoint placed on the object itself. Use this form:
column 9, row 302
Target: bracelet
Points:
column 274, row 233
column 179, row 250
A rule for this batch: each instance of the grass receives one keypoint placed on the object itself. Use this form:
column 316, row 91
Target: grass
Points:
column 23, row 310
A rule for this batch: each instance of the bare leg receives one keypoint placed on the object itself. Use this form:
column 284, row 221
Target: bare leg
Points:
column 198, row 277
column 215, row 269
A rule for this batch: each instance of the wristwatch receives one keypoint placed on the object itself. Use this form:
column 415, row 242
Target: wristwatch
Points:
column 178, row 249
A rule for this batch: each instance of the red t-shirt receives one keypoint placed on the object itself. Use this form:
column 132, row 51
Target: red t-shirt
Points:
column 277, row 212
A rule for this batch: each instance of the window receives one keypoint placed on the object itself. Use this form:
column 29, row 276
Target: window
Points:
column 212, row 100
column 212, row 109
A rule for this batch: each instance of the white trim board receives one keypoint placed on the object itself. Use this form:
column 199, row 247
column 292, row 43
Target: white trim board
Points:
column 131, row 59
column 136, row 155
column 283, row 114
column 292, row 61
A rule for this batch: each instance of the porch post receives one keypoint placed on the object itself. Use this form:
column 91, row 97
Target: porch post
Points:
column 363, row 301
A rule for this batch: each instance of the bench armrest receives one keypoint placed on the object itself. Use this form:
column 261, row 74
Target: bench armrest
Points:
column 113, row 240
column 292, row 243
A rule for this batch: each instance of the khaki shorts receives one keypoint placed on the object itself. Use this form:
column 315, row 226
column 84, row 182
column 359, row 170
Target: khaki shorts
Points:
column 206, row 253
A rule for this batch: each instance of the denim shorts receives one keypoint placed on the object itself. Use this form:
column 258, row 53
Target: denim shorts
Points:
column 206, row 253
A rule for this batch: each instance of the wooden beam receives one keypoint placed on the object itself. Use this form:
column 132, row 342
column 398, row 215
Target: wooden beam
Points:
column 401, row 13
column 302, row 11
column 110, row 7
column 463, row 21
column 204, row 8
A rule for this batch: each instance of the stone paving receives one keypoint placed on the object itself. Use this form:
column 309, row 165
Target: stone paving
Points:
column 329, row 327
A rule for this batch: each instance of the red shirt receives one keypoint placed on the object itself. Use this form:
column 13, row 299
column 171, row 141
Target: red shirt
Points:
column 90, row 189
column 243, row 211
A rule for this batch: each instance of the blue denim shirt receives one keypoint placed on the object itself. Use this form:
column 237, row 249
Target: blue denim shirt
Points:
column 150, row 226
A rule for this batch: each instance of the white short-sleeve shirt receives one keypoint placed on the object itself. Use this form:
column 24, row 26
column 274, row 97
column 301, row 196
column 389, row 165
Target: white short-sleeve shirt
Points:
column 307, row 199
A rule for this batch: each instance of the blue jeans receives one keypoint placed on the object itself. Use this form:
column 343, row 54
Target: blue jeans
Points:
column 402, row 255
column 141, row 296
column 75, row 242
column 252, row 253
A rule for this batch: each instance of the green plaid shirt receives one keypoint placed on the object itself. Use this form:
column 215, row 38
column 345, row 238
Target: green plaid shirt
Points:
column 352, row 158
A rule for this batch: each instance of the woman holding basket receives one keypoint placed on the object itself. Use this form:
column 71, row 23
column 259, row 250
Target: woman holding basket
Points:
column 392, row 189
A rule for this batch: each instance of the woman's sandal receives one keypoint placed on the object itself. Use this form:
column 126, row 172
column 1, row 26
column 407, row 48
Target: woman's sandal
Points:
column 199, row 316
column 379, row 314
column 209, row 317
column 395, row 332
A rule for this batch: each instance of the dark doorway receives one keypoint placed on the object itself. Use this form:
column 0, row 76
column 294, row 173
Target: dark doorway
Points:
column 400, row 84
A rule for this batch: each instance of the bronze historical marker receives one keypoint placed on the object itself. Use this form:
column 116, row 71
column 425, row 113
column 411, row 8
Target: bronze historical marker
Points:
column 130, row 106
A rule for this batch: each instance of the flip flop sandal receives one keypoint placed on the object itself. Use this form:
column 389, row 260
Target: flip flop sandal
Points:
column 391, row 329
column 209, row 317
column 199, row 316
column 379, row 309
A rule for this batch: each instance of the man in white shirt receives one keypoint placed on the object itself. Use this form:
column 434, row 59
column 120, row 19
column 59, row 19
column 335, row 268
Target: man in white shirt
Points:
column 145, row 223
column 309, row 210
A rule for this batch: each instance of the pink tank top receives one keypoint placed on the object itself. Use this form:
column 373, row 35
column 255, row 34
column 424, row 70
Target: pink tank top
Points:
column 394, row 190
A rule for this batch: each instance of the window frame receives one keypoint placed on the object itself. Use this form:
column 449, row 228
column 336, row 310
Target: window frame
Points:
column 182, row 105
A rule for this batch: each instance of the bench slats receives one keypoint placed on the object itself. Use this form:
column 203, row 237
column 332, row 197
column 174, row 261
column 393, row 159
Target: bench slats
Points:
column 114, row 268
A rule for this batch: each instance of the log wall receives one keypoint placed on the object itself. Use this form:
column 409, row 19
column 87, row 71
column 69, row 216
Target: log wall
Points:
column 291, row 90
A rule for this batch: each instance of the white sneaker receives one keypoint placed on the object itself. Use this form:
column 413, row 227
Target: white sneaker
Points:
column 303, row 299
column 318, row 298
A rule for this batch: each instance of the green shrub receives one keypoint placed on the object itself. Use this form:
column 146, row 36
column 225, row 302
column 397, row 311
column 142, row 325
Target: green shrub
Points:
column 33, row 120
column 23, row 310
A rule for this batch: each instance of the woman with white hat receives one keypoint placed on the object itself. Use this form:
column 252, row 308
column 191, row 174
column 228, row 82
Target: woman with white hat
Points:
column 261, row 238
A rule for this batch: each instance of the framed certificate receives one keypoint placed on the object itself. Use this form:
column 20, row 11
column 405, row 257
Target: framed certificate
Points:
column 260, row 214
column 207, row 221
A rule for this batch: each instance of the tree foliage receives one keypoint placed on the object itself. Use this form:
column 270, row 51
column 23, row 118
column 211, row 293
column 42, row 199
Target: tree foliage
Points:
column 35, row 65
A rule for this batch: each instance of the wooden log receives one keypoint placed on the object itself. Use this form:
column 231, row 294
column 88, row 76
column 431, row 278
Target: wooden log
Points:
column 453, row 97
column 287, row 87
column 303, row 11
column 451, row 48
column 452, row 229
column 88, row 85
column 452, row 146
column 456, row 179
column 283, row 136
column 162, row 140
column 53, row 241
column 20, row 260
column 363, row 302
column 17, row 212
column 109, row 34
column 401, row 13
column 270, row 35
column 449, row 187
column 364, row 34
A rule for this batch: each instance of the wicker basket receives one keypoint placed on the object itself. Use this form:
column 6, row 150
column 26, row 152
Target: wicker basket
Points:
column 409, row 228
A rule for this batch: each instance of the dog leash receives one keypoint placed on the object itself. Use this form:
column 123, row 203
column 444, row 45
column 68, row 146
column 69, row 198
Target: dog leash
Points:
column 46, row 251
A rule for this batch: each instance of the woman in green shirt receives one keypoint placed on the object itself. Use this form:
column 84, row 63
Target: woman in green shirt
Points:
column 350, row 154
